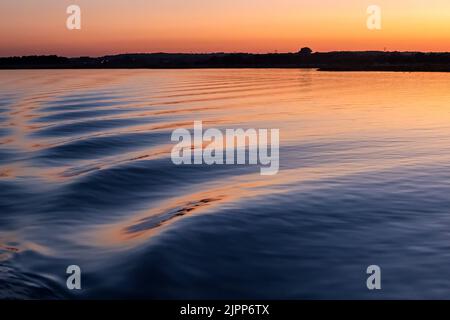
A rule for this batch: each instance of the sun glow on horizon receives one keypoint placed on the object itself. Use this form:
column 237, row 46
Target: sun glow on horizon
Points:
column 119, row 26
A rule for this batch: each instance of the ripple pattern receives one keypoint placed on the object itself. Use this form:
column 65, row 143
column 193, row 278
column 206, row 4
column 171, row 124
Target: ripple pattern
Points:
column 86, row 179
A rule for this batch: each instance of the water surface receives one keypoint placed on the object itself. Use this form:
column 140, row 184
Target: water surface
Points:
column 86, row 179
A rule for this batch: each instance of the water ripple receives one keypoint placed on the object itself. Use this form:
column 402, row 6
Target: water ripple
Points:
column 86, row 178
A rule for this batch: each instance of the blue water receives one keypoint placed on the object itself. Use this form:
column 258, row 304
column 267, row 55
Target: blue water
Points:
column 86, row 179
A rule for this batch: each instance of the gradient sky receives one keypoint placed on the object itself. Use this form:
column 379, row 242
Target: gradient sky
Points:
column 118, row 26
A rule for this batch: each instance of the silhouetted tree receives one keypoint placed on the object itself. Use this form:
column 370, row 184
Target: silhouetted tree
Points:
column 305, row 51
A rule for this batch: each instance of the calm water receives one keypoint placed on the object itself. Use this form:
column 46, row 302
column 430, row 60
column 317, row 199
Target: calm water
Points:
column 86, row 179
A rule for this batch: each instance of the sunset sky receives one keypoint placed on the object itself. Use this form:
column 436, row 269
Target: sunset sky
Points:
column 119, row 26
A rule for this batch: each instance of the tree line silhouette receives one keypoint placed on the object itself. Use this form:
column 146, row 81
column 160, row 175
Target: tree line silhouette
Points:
column 305, row 58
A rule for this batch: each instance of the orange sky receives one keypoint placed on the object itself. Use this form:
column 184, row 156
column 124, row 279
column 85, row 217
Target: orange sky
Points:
column 118, row 26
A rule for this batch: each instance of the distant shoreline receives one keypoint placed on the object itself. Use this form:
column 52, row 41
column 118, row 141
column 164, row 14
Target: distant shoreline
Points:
column 322, row 61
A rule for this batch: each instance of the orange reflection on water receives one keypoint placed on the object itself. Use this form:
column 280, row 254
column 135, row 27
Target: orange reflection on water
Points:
column 364, row 122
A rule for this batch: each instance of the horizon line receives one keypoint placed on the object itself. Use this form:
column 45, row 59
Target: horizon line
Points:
column 214, row 52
